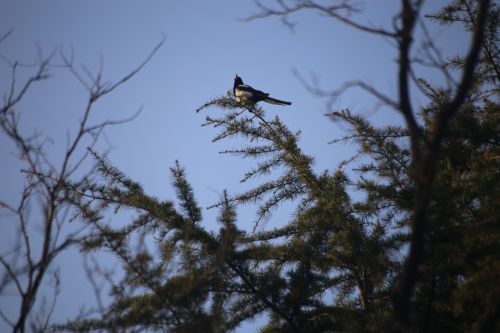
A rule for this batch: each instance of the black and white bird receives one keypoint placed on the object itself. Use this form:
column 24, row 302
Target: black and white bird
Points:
column 247, row 95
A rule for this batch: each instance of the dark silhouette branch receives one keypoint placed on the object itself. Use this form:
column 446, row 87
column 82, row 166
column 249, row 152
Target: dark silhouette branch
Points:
column 334, row 11
column 44, row 182
column 425, row 169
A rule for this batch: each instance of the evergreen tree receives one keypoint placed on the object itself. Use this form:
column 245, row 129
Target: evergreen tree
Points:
column 419, row 252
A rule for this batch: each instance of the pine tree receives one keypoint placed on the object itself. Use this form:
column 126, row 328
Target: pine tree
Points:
column 419, row 252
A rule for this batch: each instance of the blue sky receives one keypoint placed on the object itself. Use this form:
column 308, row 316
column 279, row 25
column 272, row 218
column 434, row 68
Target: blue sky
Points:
column 206, row 44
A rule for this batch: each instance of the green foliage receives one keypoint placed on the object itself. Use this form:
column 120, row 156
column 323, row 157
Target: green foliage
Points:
column 334, row 266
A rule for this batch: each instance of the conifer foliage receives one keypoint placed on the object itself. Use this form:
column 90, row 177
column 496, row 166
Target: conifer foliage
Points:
column 418, row 251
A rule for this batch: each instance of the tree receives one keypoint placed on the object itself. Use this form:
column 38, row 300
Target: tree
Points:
column 43, row 236
column 418, row 252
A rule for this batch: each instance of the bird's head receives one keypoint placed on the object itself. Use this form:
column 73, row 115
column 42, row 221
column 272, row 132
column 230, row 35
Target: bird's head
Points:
column 237, row 80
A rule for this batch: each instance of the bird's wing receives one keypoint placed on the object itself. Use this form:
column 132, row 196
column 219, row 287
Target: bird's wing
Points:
column 256, row 93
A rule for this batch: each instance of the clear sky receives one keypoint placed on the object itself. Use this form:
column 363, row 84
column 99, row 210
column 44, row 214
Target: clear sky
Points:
column 206, row 44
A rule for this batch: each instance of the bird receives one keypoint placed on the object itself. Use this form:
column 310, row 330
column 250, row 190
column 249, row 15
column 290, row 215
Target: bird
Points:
column 247, row 95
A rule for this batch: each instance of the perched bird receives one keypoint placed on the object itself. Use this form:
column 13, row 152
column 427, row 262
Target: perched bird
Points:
column 249, row 96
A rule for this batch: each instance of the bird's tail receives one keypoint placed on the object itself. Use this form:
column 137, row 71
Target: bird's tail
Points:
column 276, row 101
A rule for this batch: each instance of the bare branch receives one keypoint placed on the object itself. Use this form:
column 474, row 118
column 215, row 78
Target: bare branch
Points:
column 14, row 97
column 333, row 95
column 6, row 35
column 44, row 182
column 409, row 15
column 340, row 12
column 13, row 274
column 425, row 171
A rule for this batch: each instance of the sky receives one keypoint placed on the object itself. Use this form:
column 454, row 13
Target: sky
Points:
column 206, row 44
